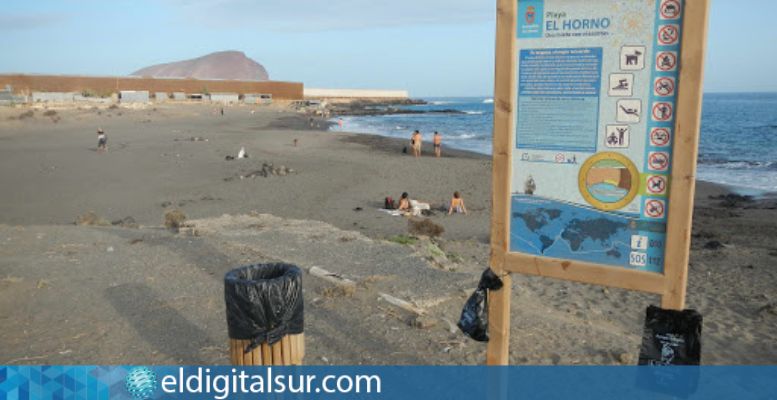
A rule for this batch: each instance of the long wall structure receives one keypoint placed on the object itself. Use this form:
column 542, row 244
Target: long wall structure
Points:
column 105, row 86
column 315, row 93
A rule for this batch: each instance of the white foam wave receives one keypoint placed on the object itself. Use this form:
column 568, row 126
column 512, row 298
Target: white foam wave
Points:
column 488, row 101
column 473, row 112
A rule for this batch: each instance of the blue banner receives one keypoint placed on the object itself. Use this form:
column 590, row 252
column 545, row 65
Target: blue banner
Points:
column 466, row 383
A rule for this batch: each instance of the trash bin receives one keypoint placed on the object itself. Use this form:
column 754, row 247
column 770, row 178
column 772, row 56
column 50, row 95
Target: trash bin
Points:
column 265, row 314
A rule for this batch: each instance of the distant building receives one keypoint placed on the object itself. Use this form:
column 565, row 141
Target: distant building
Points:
column 53, row 97
column 179, row 96
column 257, row 98
column 160, row 97
column 134, row 96
column 225, row 98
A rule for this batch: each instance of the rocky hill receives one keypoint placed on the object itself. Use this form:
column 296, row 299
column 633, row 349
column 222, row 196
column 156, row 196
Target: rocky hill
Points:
column 220, row 65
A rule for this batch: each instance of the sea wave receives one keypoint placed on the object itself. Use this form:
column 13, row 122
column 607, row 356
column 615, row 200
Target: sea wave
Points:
column 473, row 112
column 738, row 164
column 488, row 101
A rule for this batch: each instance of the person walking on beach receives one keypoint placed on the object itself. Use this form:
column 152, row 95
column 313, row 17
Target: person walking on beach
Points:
column 102, row 140
column 437, row 144
column 415, row 143
column 457, row 204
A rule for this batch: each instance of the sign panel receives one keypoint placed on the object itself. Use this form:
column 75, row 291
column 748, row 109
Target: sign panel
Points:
column 595, row 100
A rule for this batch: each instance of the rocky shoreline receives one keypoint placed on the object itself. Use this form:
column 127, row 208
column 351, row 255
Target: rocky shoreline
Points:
column 383, row 107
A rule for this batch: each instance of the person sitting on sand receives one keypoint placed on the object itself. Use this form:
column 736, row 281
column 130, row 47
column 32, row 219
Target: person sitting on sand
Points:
column 437, row 140
column 102, row 140
column 404, row 203
column 457, row 204
column 415, row 143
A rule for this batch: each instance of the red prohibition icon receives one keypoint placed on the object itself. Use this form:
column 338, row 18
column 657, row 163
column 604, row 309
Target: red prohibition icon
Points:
column 664, row 86
column 659, row 137
column 668, row 35
column 656, row 184
column 670, row 9
column 662, row 111
column 666, row 61
column 658, row 161
column 654, row 208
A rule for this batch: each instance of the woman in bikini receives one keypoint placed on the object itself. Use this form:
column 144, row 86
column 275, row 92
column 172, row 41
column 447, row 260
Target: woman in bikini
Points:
column 415, row 143
column 457, row 204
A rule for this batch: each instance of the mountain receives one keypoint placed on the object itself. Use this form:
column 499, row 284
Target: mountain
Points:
column 220, row 65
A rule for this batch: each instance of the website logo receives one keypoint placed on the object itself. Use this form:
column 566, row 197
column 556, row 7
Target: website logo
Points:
column 141, row 383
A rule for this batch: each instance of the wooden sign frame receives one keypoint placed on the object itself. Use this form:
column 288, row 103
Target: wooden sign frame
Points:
column 671, row 285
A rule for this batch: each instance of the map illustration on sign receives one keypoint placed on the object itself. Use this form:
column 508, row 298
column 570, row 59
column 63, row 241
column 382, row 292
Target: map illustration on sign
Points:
column 597, row 84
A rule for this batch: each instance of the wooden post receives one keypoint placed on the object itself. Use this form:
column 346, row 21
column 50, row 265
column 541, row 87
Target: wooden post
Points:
column 504, row 93
column 289, row 351
column 686, row 150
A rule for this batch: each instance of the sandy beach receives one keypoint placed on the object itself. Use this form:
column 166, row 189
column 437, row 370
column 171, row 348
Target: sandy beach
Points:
column 113, row 294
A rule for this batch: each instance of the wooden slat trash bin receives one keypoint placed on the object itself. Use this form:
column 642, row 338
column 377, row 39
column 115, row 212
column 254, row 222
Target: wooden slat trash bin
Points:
column 265, row 314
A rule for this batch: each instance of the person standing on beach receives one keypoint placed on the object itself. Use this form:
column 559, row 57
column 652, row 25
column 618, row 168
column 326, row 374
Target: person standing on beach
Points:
column 415, row 143
column 437, row 144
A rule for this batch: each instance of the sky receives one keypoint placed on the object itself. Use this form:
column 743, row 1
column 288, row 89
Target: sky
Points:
column 429, row 47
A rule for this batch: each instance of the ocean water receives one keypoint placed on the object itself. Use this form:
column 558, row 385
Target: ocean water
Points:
column 738, row 134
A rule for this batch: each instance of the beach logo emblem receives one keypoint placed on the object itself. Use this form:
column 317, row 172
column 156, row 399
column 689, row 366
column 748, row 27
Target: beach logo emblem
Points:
column 141, row 383
column 530, row 15
column 659, row 137
column 608, row 181
column 654, row 208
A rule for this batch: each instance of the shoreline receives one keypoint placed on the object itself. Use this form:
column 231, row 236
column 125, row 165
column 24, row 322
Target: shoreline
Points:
column 389, row 144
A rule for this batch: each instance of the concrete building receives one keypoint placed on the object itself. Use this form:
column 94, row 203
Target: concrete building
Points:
column 53, row 97
column 224, row 98
column 161, row 96
column 7, row 97
column 257, row 98
column 179, row 96
column 105, row 85
column 134, row 96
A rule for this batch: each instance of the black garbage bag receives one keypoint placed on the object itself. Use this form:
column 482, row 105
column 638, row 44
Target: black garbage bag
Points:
column 671, row 337
column 474, row 316
column 264, row 303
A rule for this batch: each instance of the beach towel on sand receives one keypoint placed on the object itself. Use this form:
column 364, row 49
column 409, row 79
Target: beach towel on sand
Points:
column 418, row 207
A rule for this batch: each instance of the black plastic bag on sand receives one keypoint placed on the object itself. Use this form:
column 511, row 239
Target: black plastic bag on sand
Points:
column 474, row 316
column 264, row 303
column 671, row 337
